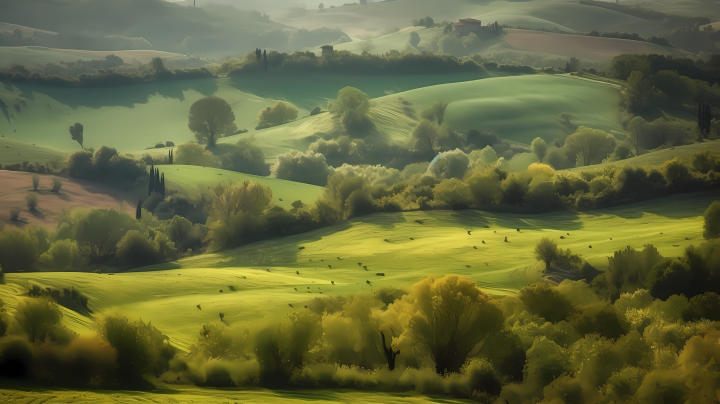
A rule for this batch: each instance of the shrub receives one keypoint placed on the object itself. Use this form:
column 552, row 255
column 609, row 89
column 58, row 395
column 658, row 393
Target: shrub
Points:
column 450, row 164
column 84, row 361
column 246, row 157
column 35, row 182
column 57, row 184
column 675, row 172
column 32, row 201
column 546, row 250
column 449, row 316
column 711, row 225
column 62, row 254
column 705, row 306
column 134, row 249
column 315, row 111
column 41, row 318
column 353, row 106
column 600, row 318
column 140, row 347
column 277, row 114
column 193, row 154
column 18, row 251
column 16, row 357
column 704, row 161
column 307, row 167
column 546, row 302
column 14, row 214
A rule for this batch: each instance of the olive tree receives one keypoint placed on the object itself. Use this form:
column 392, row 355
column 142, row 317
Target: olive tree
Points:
column 211, row 118
column 277, row 114
column 539, row 148
column 353, row 106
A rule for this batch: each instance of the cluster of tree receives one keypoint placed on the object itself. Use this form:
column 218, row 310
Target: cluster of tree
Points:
column 427, row 22
column 442, row 336
column 694, row 38
column 106, row 165
column 36, row 346
column 698, row 69
column 243, row 156
column 631, row 36
column 668, row 20
column 88, row 239
column 57, row 75
column 346, row 62
column 74, row 69
column 16, row 38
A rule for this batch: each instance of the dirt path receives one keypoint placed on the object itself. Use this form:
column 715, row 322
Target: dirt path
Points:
column 15, row 186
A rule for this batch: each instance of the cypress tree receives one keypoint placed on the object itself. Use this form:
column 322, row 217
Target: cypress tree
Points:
column 151, row 185
column 265, row 57
column 157, row 179
column 138, row 212
column 170, row 156
column 162, row 184
column 704, row 118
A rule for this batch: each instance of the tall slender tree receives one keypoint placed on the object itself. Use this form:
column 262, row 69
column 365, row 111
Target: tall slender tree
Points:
column 265, row 58
column 151, row 185
column 162, row 184
column 170, row 156
column 704, row 118
column 138, row 212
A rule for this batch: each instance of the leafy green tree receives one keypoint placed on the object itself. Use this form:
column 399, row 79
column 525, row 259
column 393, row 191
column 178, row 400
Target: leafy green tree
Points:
column 211, row 118
column 76, row 131
column 636, row 127
column 621, row 66
column 593, row 144
column 711, row 226
column 539, row 148
column 158, row 65
column 353, row 106
column 546, row 250
column 436, row 112
column 429, row 22
column 277, row 114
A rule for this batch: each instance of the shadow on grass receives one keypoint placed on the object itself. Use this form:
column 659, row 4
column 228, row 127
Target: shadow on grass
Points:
column 126, row 96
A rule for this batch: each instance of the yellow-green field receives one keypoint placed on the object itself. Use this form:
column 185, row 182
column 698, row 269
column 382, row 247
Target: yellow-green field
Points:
column 164, row 393
column 660, row 156
column 14, row 151
column 194, row 179
column 167, row 294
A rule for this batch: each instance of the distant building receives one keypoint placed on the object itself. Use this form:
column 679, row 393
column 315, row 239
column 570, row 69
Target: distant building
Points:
column 327, row 49
column 467, row 25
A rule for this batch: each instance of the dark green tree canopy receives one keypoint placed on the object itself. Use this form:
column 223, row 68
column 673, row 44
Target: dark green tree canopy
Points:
column 76, row 131
column 211, row 118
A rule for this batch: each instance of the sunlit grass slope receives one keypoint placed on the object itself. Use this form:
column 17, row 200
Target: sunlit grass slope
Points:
column 405, row 247
column 14, row 151
column 192, row 394
column 127, row 118
column 194, row 179
column 519, row 108
column 561, row 14
column 658, row 157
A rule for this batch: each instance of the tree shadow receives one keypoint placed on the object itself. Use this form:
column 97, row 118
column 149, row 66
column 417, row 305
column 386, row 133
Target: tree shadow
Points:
column 37, row 214
column 678, row 206
column 126, row 96
column 4, row 109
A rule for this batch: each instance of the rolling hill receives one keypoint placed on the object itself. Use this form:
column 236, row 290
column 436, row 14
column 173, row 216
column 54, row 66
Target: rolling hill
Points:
column 405, row 247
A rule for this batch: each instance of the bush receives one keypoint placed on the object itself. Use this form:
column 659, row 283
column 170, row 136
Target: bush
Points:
column 135, row 249
column 546, row 302
column 353, row 106
column 61, row 255
column 704, row 161
column 315, row 111
column 711, row 225
column 450, row 164
column 85, row 361
column 140, row 347
column 32, row 201
column 15, row 214
column 41, row 318
column 675, row 172
column 57, row 184
column 35, row 181
column 703, row 307
column 18, row 251
column 600, row 318
column 307, row 167
column 278, row 114
column 246, row 157
column 449, row 317
column 191, row 153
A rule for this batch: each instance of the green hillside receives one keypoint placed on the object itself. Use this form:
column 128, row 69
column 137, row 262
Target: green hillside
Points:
column 561, row 14
column 194, row 179
column 14, row 152
column 168, row 294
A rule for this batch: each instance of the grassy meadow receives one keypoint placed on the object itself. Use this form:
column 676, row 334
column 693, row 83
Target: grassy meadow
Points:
column 266, row 279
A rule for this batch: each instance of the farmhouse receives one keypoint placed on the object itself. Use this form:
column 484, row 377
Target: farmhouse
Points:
column 467, row 25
